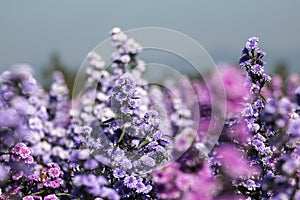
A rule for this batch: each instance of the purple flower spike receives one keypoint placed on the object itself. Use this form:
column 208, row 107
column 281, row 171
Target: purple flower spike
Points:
column 252, row 43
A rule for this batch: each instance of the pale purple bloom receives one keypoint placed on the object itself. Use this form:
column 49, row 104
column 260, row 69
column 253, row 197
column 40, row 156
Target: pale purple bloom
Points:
column 284, row 106
column 119, row 173
column 148, row 161
column 182, row 143
column 140, row 187
column 252, row 43
column 9, row 117
column 157, row 135
column 91, row 164
column 109, row 193
column 184, row 139
column 4, row 172
column 133, row 103
column 147, row 189
column 130, row 181
column 83, row 154
column 35, row 123
column 125, row 59
column 257, row 69
column 290, row 166
column 294, row 127
column 135, row 143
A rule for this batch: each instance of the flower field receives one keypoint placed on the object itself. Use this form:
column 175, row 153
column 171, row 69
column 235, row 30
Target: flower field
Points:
column 112, row 142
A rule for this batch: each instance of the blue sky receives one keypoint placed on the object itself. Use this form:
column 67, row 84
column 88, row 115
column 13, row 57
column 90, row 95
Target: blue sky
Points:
column 31, row 30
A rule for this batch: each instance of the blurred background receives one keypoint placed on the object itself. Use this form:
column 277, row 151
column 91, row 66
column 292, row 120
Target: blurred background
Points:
column 54, row 34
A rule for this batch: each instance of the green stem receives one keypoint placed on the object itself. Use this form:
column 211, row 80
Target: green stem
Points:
column 262, row 98
column 122, row 135
column 63, row 194
column 169, row 136
column 36, row 193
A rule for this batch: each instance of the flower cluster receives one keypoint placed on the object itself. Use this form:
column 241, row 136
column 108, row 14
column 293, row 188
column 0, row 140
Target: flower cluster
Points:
column 51, row 176
column 253, row 63
column 20, row 152
column 117, row 137
column 123, row 138
column 33, row 135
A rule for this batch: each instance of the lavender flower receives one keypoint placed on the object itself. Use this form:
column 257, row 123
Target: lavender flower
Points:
column 112, row 142
column 252, row 62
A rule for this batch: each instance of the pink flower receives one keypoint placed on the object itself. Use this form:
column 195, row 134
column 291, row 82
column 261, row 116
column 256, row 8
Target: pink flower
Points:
column 235, row 91
column 33, row 177
column 184, row 139
column 29, row 160
column 22, row 152
column 239, row 132
column 25, row 152
column 172, row 193
column 52, row 165
column 53, row 183
column 28, row 198
column 184, row 181
column 51, row 197
column 15, row 190
column 165, row 175
column 234, row 162
column 277, row 84
column 191, row 195
column 17, row 176
column 205, row 178
column 57, row 182
column 54, row 172
column 232, row 197
column 32, row 198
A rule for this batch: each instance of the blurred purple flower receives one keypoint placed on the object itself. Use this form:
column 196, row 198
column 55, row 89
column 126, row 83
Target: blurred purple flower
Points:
column 234, row 162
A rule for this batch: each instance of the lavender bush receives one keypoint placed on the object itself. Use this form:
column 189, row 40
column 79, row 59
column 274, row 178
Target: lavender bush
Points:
column 111, row 142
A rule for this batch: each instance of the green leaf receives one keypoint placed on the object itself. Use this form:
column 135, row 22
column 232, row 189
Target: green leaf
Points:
column 144, row 143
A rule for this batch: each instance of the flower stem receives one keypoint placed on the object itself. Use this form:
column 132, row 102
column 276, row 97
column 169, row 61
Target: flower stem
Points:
column 262, row 98
column 122, row 135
